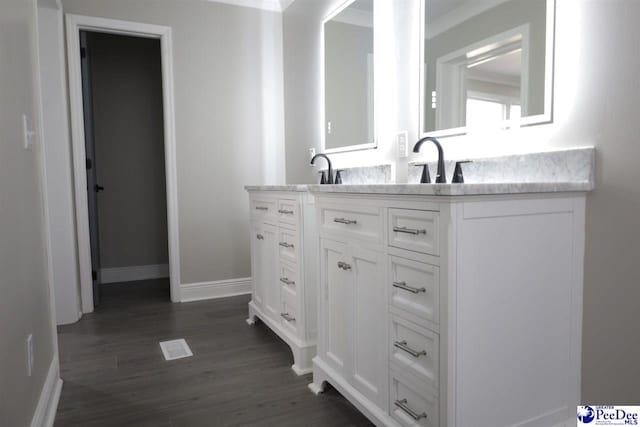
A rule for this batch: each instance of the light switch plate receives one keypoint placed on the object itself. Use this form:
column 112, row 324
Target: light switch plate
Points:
column 29, row 344
column 403, row 144
column 27, row 132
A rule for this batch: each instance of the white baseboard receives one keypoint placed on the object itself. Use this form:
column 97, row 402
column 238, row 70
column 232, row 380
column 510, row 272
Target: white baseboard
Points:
column 45, row 413
column 211, row 290
column 134, row 273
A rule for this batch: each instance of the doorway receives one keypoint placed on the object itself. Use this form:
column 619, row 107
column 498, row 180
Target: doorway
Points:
column 124, row 145
column 122, row 116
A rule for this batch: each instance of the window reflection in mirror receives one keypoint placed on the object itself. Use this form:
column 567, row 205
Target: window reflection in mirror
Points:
column 486, row 64
column 348, row 78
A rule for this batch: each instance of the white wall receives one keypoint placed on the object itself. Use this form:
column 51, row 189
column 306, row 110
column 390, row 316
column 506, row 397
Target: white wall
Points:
column 597, row 93
column 57, row 152
column 25, row 305
column 229, row 120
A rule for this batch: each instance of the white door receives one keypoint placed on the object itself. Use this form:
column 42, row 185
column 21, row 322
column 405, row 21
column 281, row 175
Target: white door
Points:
column 336, row 305
column 368, row 314
column 268, row 270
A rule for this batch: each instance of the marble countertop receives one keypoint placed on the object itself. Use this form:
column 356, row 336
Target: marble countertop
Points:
column 456, row 189
column 289, row 187
column 436, row 189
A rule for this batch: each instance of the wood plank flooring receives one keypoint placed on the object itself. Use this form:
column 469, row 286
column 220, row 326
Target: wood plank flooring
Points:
column 114, row 373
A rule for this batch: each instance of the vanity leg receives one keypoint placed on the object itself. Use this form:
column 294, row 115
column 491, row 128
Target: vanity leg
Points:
column 302, row 359
column 251, row 320
column 319, row 383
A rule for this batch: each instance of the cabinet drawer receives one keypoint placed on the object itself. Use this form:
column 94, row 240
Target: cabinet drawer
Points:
column 263, row 208
column 411, row 405
column 288, row 276
column 288, row 212
column 289, row 310
column 414, row 230
column 359, row 222
column 415, row 350
column 288, row 245
column 414, row 287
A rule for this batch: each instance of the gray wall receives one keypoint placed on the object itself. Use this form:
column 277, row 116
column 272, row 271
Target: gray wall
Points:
column 595, row 103
column 25, row 305
column 229, row 120
column 128, row 118
column 347, row 48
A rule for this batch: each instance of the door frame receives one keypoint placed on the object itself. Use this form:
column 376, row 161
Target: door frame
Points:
column 75, row 24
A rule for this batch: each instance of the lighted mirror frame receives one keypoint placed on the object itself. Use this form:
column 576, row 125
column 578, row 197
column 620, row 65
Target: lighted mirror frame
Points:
column 356, row 147
column 544, row 118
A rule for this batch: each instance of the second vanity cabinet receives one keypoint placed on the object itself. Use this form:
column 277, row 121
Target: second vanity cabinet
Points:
column 451, row 310
column 284, row 266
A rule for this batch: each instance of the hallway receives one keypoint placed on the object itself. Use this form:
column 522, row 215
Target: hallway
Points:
column 114, row 373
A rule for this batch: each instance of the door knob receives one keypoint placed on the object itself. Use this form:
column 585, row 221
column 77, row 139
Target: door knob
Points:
column 99, row 188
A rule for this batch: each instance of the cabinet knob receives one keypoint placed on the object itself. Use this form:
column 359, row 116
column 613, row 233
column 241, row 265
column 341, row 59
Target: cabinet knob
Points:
column 259, row 237
column 344, row 266
column 287, row 317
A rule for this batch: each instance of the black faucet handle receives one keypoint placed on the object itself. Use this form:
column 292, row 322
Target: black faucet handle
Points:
column 323, row 177
column 338, row 179
column 458, row 177
column 425, row 178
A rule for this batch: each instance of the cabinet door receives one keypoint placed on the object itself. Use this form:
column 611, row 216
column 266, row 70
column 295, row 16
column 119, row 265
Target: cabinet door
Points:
column 336, row 306
column 268, row 270
column 368, row 330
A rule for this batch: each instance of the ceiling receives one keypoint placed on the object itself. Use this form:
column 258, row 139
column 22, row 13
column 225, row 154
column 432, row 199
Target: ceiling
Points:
column 272, row 5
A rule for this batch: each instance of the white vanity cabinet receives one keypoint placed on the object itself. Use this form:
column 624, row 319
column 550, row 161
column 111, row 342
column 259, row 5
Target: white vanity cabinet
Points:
column 284, row 269
column 451, row 310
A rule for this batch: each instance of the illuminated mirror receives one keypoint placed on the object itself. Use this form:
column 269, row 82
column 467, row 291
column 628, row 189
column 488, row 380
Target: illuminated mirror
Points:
column 486, row 64
column 348, row 78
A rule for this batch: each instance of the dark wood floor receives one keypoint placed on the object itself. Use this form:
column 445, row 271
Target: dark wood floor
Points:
column 114, row 373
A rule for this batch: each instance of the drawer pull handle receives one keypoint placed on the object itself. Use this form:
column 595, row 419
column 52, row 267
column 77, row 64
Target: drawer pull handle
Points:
column 402, row 345
column 259, row 237
column 287, row 317
column 406, row 230
column 344, row 265
column 404, row 286
column 285, row 212
column 286, row 245
column 402, row 404
column 345, row 221
column 287, row 281
column 262, row 208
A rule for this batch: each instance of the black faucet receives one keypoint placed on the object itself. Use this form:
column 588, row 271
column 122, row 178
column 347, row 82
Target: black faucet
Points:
column 330, row 177
column 440, row 177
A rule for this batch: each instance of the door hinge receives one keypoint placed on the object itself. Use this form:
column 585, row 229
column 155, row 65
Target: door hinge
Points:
column 89, row 164
column 83, row 52
column 94, row 275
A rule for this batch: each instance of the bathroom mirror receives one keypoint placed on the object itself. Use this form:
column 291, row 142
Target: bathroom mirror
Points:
column 348, row 88
column 485, row 65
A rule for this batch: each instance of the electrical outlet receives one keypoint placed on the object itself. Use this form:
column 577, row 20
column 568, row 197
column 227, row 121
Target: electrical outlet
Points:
column 29, row 345
column 27, row 132
column 403, row 144
column 312, row 152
